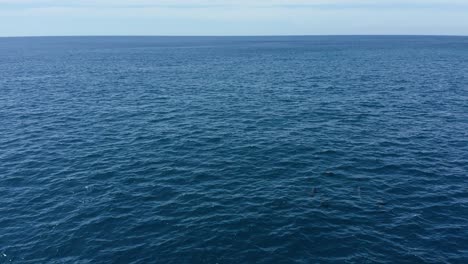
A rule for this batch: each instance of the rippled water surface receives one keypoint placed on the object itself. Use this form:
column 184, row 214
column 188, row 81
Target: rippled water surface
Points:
column 234, row 150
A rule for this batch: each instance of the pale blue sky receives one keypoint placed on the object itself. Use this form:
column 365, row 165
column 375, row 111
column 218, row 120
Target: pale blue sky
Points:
column 241, row 17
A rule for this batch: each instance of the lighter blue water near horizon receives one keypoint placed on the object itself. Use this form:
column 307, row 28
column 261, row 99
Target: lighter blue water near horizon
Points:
column 234, row 150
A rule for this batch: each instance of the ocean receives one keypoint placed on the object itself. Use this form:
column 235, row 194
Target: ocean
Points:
column 307, row 149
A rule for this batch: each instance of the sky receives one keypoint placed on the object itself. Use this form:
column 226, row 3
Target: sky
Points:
column 241, row 17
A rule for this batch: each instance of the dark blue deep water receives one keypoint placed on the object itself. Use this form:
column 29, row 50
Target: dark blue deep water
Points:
column 234, row 150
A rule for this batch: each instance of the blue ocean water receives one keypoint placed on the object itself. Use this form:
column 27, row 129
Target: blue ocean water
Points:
column 234, row 150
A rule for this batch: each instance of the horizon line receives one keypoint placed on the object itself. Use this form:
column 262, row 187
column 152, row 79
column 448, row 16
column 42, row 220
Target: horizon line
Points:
column 259, row 35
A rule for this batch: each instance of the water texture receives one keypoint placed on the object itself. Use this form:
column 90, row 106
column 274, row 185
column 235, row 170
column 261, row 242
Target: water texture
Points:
column 234, row 150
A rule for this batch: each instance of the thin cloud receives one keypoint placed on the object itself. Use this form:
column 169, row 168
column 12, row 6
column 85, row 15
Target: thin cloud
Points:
column 241, row 17
column 191, row 4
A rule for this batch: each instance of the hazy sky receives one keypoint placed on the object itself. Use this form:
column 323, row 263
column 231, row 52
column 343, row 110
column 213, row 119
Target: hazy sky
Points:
column 241, row 17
